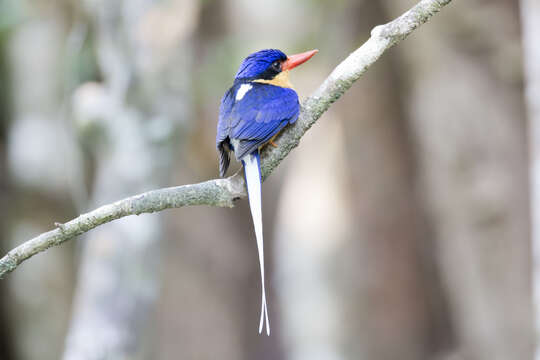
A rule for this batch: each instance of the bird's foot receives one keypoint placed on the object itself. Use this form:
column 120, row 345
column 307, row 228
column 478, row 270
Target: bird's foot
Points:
column 271, row 142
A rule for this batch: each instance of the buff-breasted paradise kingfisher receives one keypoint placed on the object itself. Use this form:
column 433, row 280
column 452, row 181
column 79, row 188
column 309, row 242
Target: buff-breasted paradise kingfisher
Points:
column 259, row 104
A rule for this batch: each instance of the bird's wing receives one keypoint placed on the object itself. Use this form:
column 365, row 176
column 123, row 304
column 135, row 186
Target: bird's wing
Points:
column 223, row 130
column 259, row 115
column 224, row 121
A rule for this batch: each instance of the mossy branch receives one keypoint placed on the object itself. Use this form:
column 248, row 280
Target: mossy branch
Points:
column 223, row 192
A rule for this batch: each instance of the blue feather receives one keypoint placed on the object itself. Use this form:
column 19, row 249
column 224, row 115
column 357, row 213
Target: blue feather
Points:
column 256, row 63
column 263, row 111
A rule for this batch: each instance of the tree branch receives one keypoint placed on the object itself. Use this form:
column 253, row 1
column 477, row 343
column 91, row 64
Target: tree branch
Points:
column 223, row 192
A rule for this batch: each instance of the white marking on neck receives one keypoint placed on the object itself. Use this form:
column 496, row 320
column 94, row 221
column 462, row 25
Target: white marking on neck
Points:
column 244, row 88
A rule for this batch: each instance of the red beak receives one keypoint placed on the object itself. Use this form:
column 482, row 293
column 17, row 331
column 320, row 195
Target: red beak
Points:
column 297, row 59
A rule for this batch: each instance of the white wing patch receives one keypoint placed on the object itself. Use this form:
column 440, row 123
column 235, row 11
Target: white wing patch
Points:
column 244, row 88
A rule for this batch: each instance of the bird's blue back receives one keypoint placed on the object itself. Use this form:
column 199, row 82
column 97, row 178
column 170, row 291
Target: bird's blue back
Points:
column 261, row 113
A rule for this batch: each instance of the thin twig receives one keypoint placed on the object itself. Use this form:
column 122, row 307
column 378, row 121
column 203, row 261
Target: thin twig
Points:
column 223, row 192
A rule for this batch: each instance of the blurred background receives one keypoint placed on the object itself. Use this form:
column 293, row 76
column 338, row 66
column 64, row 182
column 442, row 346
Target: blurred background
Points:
column 399, row 229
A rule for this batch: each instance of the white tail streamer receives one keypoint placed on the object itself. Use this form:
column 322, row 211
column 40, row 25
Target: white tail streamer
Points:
column 252, row 172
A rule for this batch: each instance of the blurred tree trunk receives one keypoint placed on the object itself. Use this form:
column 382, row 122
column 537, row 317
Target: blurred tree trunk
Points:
column 6, row 330
column 144, row 53
column 38, row 170
column 307, row 246
column 530, row 18
column 467, row 117
column 387, row 270
column 365, row 255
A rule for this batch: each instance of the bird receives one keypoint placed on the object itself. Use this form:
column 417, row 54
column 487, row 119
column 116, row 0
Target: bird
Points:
column 259, row 104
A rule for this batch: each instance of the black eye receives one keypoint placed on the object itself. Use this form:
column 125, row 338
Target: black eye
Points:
column 276, row 65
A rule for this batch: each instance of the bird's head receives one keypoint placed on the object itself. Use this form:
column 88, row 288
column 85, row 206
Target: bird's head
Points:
column 271, row 66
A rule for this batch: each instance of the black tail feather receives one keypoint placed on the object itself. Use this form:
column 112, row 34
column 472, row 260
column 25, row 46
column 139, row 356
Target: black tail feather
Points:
column 224, row 159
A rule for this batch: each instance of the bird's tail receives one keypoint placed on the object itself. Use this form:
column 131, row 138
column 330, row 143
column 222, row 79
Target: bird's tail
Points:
column 252, row 172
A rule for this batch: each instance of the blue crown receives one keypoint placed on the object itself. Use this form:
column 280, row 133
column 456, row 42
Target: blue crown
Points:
column 255, row 64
